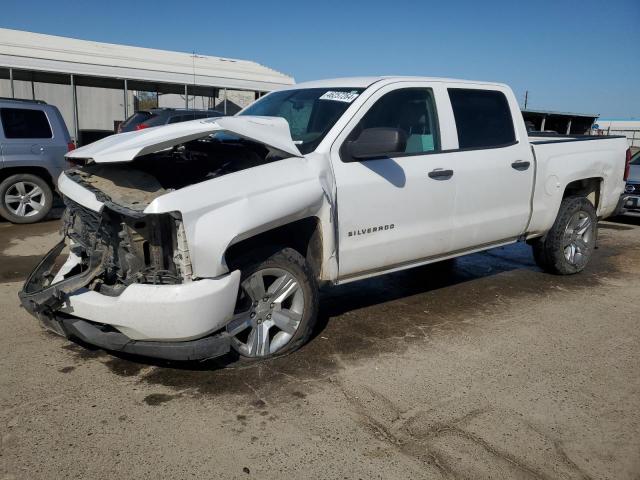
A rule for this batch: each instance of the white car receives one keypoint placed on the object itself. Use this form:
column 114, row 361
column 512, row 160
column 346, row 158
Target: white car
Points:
column 195, row 239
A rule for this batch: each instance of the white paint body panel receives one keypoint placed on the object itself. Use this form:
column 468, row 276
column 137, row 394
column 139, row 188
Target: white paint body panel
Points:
column 162, row 312
column 124, row 147
column 78, row 193
column 486, row 203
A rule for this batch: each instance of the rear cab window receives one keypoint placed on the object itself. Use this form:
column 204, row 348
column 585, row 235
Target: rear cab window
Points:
column 483, row 118
column 20, row 123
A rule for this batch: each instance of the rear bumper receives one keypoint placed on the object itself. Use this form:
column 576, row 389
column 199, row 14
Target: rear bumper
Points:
column 163, row 321
column 632, row 202
column 627, row 203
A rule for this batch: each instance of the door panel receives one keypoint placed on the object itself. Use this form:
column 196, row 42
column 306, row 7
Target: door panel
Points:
column 494, row 168
column 390, row 212
column 493, row 199
column 30, row 140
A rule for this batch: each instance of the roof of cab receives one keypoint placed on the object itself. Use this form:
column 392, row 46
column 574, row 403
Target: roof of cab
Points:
column 364, row 82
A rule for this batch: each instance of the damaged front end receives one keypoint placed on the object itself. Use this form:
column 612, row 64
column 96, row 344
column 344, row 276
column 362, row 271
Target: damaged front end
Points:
column 107, row 253
column 127, row 282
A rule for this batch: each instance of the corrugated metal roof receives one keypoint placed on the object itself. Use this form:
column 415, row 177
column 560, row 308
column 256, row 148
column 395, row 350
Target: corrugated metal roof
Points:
column 49, row 53
column 566, row 114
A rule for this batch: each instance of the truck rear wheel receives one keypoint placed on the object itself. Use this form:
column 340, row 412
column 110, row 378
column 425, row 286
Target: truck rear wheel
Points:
column 277, row 304
column 25, row 198
column 568, row 246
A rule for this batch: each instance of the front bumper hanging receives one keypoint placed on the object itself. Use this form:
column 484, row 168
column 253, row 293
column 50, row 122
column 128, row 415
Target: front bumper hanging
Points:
column 43, row 300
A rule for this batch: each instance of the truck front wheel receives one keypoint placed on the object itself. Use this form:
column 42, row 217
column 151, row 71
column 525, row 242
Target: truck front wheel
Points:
column 568, row 246
column 277, row 304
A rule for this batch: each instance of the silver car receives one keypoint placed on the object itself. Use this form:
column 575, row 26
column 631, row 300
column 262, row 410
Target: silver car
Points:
column 33, row 142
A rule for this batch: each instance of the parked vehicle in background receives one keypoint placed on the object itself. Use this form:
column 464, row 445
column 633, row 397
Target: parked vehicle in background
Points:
column 33, row 142
column 163, row 116
column 213, row 235
column 632, row 189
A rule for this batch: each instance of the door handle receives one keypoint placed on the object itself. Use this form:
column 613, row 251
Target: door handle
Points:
column 440, row 174
column 521, row 165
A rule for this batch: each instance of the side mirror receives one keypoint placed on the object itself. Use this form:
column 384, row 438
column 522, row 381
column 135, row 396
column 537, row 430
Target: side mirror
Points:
column 377, row 142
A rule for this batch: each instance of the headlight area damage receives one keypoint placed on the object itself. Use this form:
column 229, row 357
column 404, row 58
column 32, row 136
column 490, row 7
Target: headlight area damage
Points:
column 107, row 253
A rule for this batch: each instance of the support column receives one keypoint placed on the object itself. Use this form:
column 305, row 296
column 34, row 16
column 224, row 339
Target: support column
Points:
column 126, row 99
column 544, row 120
column 225, row 101
column 13, row 92
column 75, row 110
column 186, row 97
column 569, row 127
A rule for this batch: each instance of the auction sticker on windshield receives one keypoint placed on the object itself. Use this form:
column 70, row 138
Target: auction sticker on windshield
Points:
column 347, row 97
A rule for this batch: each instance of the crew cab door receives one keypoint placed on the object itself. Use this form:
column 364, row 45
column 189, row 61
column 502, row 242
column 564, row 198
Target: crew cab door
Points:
column 494, row 167
column 391, row 212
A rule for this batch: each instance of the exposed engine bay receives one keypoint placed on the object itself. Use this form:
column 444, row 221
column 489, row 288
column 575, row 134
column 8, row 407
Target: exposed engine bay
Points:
column 135, row 247
column 133, row 185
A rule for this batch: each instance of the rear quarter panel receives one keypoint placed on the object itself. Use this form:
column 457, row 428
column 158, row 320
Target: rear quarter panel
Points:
column 562, row 162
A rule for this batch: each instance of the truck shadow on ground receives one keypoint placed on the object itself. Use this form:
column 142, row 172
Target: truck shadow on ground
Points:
column 365, row 319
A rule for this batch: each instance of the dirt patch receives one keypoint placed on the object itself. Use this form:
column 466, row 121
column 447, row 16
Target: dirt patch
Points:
column 17, row 268
column 156, row 399
column 23, row 246
column 123, row 367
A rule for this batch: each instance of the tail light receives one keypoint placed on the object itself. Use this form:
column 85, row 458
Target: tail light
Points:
column 627, row 165
column 141, row 126
column 71, row 146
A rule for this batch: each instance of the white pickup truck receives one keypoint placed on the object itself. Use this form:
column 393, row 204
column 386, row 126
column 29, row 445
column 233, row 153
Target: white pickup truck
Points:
column 201, row 238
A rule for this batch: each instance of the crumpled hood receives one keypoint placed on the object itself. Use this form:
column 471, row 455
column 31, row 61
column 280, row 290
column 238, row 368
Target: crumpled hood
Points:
column 123, row 147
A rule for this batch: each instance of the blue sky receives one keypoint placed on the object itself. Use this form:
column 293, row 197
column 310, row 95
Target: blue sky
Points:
column 579, row 56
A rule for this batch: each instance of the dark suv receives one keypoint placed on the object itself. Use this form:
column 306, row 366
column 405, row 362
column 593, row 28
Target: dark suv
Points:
column 163, row 116
column 33, row 142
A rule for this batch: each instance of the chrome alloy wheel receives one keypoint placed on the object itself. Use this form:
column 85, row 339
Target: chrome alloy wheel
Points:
column 24, row 199
column 577, row 238
column 268, row 312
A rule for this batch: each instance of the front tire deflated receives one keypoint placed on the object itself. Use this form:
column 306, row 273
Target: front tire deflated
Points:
column 277, row 304
column 567, row 248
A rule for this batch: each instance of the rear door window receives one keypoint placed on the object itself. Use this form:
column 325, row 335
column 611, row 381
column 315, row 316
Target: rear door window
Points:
column 483, row 118
column 25, row 123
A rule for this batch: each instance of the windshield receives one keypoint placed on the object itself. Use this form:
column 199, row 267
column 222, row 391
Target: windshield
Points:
column 310, row 112
column 635, row 160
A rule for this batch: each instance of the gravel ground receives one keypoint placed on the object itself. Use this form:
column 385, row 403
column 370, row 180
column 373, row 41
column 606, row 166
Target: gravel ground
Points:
column 490, row 369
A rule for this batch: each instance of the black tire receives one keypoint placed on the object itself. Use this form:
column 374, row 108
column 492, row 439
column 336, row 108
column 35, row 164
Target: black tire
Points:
column 8, row 185
column 294, row 263
column 549, row 250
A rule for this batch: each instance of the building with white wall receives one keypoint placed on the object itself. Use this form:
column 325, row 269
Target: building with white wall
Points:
column 96, row 85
